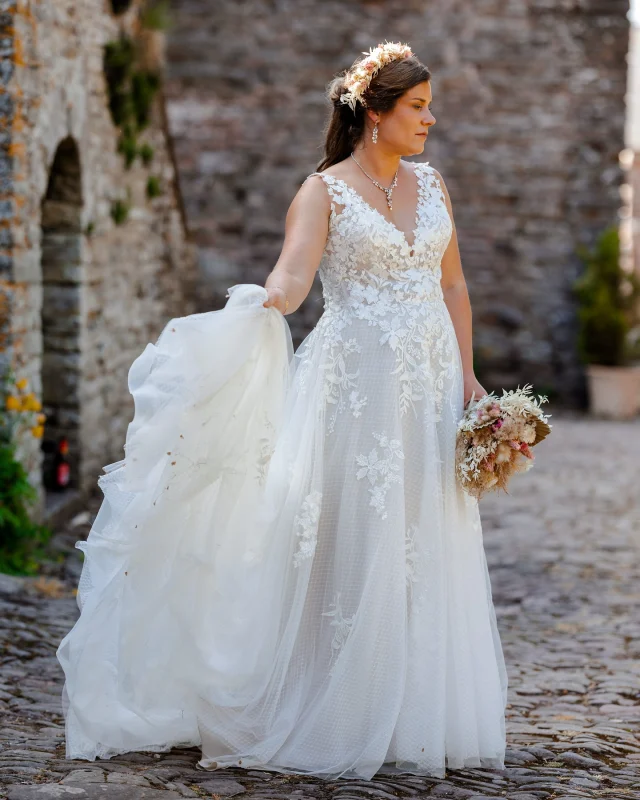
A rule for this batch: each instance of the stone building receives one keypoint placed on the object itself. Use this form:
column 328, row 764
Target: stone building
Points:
column 529, row 102
column 94, row 260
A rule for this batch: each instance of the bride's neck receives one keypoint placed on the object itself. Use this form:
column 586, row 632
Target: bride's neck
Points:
column 381, row 166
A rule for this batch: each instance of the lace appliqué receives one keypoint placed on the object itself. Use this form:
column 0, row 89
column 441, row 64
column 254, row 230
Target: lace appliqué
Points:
column 265, row 452
column 338, row 381
column 357, row 403
column 418, row 554
column 342, row 628
column 306, row 524
column 381, row 471
column 418, row 333
column 412, row 561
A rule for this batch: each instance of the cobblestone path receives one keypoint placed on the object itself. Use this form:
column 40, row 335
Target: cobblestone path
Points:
column 564, row 555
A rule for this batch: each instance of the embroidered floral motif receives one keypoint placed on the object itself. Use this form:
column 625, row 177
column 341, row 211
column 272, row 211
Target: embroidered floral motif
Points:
column 411, row 556
column 357, row 403
column 306, row 524
column 341, row 624
column 381, row 471
column 266, row 450
column 338, row 380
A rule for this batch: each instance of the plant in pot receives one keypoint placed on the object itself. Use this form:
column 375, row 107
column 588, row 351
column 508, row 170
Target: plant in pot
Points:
column 608, row 319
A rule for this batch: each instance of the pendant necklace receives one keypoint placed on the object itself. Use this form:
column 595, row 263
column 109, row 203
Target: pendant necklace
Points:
column 379, row 185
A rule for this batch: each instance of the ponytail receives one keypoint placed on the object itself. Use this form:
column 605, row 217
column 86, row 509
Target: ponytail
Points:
column 344, row 128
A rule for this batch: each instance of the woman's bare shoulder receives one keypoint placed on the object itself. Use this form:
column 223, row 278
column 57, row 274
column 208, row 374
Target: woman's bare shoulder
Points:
column 312, row 200
column 315, row 193
column 340, row 170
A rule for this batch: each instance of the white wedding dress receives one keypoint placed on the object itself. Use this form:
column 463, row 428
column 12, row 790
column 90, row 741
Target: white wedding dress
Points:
column 283, row 570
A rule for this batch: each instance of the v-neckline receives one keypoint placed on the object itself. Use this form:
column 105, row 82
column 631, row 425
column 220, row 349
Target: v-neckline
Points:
column 416, row 216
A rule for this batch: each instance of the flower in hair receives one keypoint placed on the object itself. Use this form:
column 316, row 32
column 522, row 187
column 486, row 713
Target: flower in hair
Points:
column 361, row 74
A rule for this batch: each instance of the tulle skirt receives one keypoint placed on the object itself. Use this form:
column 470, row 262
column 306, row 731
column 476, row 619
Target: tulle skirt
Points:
column 283, row 570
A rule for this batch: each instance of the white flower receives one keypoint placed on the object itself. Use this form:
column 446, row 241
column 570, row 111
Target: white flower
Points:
column 357, row 403
column 358, row 80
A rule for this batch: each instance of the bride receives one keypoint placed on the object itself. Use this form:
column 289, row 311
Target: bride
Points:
column 284, row 571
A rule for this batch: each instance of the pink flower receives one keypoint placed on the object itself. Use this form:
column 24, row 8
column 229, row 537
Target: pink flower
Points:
column 516, row 445
column 497, row 425
column 524, row 449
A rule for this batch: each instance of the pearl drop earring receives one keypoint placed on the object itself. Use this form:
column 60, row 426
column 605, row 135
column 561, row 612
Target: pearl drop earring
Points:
column 374, row 135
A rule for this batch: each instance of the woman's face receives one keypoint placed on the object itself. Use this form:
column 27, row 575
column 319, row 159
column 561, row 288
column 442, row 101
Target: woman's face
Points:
column 405, row 129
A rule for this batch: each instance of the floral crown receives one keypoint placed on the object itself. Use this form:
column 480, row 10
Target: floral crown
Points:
column 359, row 76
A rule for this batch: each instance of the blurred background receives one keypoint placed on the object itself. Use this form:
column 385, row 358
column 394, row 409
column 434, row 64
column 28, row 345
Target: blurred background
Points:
column 150, row 151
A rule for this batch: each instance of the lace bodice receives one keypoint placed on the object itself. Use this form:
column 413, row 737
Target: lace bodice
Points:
column 383, row 297
column 368, row 261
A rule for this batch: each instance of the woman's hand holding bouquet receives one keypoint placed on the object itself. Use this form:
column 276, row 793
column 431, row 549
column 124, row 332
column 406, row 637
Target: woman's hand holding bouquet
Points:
column 495, row 437
column 472, row 387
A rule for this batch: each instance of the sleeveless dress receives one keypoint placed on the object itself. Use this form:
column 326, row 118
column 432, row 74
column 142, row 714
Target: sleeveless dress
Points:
column 284, row 570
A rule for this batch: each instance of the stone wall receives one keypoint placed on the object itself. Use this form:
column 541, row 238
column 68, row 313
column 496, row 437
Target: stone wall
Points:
column 84, row 289
column 529, row 102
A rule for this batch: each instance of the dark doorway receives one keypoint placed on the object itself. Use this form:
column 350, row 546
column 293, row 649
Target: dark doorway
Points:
column 62, row 257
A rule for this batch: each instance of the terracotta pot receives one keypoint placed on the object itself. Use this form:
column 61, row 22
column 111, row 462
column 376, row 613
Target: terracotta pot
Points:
column 614, row 392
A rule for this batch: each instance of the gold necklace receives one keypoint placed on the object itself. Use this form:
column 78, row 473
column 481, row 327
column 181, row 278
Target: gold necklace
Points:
column 379, row 185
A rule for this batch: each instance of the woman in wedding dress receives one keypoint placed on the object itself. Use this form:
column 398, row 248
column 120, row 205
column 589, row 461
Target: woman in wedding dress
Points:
column 284, row 571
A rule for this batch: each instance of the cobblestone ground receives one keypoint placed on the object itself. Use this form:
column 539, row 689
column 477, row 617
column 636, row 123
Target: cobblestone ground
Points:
column 563, row 550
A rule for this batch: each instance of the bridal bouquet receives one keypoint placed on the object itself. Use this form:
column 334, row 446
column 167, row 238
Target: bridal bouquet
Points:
column 495, row 437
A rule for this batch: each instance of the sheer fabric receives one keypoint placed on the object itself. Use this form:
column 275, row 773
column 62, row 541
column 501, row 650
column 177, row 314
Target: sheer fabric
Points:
column 283, row 570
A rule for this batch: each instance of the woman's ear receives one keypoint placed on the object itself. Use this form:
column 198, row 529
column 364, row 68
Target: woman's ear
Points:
column 373, row 116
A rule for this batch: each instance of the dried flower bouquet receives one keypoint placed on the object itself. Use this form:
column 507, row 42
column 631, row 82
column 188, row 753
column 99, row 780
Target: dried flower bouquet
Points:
column 495, row 437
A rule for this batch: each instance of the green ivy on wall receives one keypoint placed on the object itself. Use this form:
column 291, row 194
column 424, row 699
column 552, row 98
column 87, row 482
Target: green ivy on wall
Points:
column 132, row 91
column 154, row 187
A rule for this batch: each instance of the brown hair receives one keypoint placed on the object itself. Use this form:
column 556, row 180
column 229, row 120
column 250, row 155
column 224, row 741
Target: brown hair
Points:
column 345, row 128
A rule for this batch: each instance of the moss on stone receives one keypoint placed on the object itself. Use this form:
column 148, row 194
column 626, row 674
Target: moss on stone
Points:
column 131, row 90
column 154, row 187
column 146, row 153
column 120, row 211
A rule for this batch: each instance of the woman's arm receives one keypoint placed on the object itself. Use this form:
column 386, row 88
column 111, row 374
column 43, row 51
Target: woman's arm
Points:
column 306, row 230
column 456, row 297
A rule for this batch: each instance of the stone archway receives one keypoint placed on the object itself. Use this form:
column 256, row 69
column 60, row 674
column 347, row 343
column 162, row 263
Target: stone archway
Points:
column 62, row 246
